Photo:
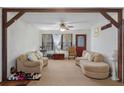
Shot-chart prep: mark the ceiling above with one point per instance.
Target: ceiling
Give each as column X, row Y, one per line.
column 51, row 21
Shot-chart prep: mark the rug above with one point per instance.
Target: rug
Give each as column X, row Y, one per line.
column 66, row 73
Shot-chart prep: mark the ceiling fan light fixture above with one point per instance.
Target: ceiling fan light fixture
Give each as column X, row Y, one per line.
column 62, row 29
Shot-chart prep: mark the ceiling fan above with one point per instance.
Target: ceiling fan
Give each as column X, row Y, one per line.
column 64, row 26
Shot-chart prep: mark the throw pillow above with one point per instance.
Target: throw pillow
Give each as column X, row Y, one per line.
column 38, row 54
column 91, row 57
column 86, row 55
column 32, row 57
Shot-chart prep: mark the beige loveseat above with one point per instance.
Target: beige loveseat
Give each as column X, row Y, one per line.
column 92, row 65
column 25, row 65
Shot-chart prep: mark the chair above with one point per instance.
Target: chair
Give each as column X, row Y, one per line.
column 71, row 53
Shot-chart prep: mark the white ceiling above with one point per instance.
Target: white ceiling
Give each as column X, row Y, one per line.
column 51, row 21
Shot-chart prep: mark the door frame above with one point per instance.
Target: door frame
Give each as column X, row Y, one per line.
column 21, row 11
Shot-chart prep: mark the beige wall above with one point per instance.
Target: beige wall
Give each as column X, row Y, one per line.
column 22, row 37
column 106, row 42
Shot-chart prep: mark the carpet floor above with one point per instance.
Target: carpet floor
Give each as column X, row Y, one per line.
column 66, row 73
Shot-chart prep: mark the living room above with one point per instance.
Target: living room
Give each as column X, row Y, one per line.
column 31, row 32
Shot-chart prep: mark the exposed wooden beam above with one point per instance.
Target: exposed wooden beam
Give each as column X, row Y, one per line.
column 120, row 61
column 108, row 17
column 68, row 10
column 4, row 45
column 123, row 48
column 16, row 17
column 106, row 26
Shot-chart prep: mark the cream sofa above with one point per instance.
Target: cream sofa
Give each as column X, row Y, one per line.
column 25, row 65
column 92, row 65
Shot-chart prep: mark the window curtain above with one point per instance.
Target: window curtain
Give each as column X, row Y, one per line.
column 47, row 41
column 67, row 41
column 57, row 42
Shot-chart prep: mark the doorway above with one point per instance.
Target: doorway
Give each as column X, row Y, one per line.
column 80, row 44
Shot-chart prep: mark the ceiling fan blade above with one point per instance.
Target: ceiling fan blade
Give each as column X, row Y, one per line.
column 67, row 29
column 70, row 26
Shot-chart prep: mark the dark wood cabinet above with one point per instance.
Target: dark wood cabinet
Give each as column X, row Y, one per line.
column 58, row 56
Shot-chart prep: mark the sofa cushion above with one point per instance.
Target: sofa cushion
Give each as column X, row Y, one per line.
column 86, row 60
column 91, row 57
column 80, row 58
column 98, row 58
column 32, row 57
column 38, row 54
column 22, row 58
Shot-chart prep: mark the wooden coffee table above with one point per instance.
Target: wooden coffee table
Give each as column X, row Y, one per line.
column 58, row 56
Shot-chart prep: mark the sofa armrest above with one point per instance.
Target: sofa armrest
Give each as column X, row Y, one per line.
column 31, row 64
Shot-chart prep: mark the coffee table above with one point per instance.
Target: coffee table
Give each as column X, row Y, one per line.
column 58, row 56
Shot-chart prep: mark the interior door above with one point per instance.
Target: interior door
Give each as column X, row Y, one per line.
column 80, row 44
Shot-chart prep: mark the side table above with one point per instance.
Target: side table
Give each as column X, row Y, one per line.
column 114, row 66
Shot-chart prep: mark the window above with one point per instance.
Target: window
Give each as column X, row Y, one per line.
column 47, row 41
column 64, row 44
column 66, row 41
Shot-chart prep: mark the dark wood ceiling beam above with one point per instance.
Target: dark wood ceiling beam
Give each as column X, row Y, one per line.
column 68, row 10
column 16, row 17
column 106, row 26
column 4, row 45
column 108, row 17
column 123, row 47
